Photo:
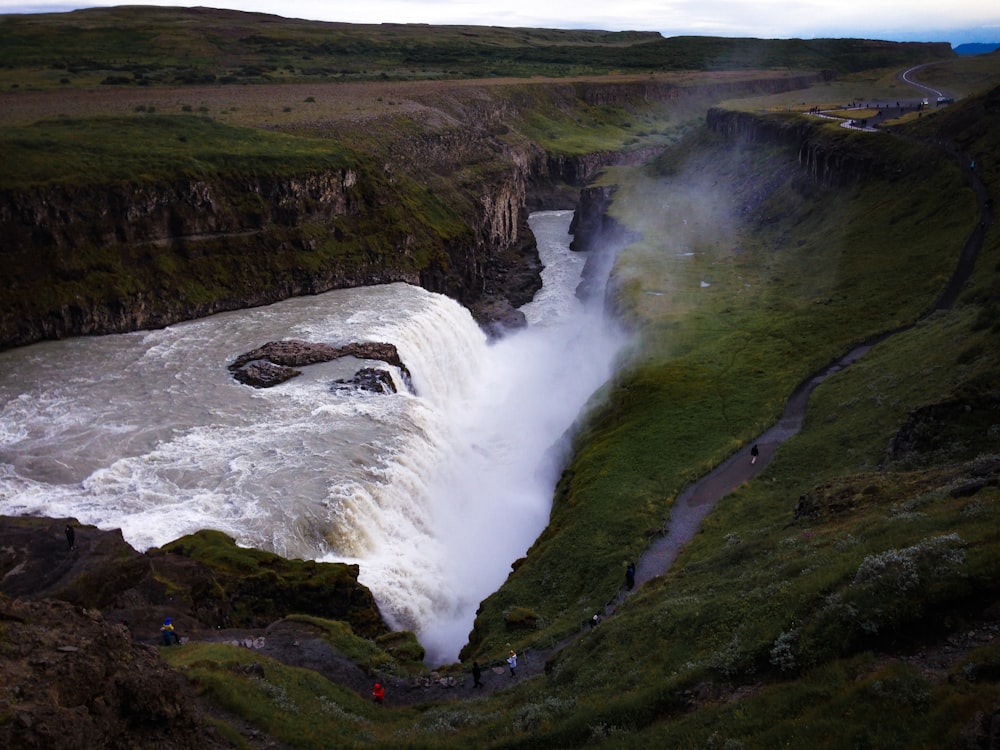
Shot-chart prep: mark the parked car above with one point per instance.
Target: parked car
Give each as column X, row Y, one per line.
column 944, row 100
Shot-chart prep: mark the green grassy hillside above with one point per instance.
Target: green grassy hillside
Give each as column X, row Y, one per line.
column 139, row 46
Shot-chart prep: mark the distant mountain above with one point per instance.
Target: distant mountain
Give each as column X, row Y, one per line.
column 977, row 48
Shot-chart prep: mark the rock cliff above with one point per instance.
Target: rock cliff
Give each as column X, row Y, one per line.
column 825, row 160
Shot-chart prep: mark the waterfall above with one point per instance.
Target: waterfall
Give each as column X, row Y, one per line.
column 432, row 492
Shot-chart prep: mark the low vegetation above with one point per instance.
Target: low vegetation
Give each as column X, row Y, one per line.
column 85, row 151
column 805, row 591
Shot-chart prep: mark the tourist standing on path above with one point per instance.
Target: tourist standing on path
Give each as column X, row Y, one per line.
column 477, row 673
column 630, row 576
column 70, row 537
column 512, row 662
column 378, row 693
column 754, row 452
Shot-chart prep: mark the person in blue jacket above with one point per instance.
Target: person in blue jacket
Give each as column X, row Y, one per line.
column 169, row 634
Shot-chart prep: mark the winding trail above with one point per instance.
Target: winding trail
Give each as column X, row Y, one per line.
column 906, row 78
column 695, row 501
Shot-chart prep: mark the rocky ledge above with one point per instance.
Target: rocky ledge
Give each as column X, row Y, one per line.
column 80, row 615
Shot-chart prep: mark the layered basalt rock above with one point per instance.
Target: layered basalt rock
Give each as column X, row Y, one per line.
column 826, row 163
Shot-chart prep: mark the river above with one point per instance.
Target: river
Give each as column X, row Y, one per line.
column 433, row 493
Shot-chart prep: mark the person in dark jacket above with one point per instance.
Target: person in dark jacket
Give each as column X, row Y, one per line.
column 477, row 673
column 70, row 537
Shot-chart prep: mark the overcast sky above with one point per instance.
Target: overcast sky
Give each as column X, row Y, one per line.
column 954, row 21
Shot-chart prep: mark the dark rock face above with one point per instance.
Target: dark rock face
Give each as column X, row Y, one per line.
column 952, row 429
column 368, row 379
column 71, row 679
column 263, row 374
column 498, row 317
column 275, row 362
column 596, row 233
column 825, row 164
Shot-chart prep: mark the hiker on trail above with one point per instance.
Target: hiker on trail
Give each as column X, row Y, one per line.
column 630, row 576
column 477, row 672
column 378, row 693
column 168, row 633
column 754, row 452
column 512, row 662
column 594, row 620
column 70, row 537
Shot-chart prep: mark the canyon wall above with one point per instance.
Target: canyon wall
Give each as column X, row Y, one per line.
column 827, row 160
column 444, row 206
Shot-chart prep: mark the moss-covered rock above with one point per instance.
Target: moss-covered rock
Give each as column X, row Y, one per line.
column 240, row 587
column 204, row 580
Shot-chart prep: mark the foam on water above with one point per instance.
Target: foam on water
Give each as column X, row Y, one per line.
column 432, row 493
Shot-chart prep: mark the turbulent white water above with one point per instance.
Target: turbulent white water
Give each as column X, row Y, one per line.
column 434, row 494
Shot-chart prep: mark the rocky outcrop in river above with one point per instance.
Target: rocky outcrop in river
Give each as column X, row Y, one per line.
column 276, row 361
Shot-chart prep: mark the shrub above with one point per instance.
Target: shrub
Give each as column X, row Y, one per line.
column 533, row 716
column 889, row 590
column 521, row 618
column 782, row 653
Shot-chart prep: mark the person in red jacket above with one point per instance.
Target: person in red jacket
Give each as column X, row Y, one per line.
column 378, row 693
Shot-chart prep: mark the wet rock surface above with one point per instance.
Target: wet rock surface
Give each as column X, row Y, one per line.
column 369, row 379
column 276, row 361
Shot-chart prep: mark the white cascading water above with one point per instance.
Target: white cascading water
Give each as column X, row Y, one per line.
column 433, row 494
